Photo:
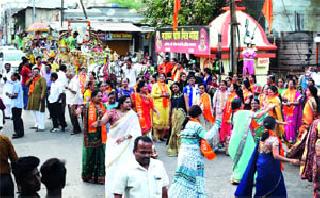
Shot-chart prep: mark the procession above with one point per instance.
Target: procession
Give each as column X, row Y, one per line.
column 95, row 108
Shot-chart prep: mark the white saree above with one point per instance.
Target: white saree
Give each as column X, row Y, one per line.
column 118, row 155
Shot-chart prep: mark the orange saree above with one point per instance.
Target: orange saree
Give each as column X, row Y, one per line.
column 276, row 113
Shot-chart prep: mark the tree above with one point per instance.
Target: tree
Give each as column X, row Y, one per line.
column 158, row 13
column 133, row 4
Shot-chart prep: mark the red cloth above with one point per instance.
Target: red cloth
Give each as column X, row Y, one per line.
column 165, row 68
column 25, row 72
column 143, row 107
column 267, row 11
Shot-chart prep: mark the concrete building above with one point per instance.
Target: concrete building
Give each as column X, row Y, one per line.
column 295, row 25
column 7, row 8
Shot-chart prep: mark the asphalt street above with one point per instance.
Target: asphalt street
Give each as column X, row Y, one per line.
column 62, row 145
column 68, row 147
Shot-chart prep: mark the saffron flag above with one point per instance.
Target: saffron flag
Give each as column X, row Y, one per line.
column 267, row 11
column 176, row 8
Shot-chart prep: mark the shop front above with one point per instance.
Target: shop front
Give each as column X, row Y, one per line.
column 120, row 42
column 118, row 37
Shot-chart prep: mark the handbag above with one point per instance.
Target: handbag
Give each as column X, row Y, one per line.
column 206, row 150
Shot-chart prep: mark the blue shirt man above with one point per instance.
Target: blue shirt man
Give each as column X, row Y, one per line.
column 17, row 104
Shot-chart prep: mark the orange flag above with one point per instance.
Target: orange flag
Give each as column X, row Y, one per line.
column 267, row 11
column 176, row 8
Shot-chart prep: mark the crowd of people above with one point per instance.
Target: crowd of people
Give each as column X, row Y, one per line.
column 120, row 121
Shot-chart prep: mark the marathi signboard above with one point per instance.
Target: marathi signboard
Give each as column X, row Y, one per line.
column 115, row 37
column 189, row 40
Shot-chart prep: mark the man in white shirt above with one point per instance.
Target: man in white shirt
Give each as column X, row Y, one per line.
column 146, row 177
column 41, row 66
column 74, row 99
column 55, row 105
column 316, row 77
column 130, row 72
column 7, row 88
column 63, row 82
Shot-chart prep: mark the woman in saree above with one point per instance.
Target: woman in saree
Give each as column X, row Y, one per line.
column 188, row 180
column 310, row 113
column 205, row 104
column 310, row 110
column 124, row 128
column 253, row 81
column 87, row 92
column 265, row 160
column 83, row 79
column 178, row 114
column 247, row 94
column 309, row 166
column 143, row 105
column 276, row 113
column 256, row 124
column 125, row 89
column 105, row 89
column 280, row 86
column 241, row 143
column 219, row 102
column 161, row 98
column 225, row 130
column 263, row 96
column 207, row 119
column 93, row 152
column 291, row 111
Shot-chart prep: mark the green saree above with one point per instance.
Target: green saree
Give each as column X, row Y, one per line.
column 241, row 143
column 93, row 154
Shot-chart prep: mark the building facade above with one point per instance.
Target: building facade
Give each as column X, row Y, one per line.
column 295, row 25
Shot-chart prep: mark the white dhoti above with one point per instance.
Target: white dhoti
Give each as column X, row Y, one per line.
column 39, row 119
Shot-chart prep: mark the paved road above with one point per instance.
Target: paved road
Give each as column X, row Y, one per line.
column 46, row 145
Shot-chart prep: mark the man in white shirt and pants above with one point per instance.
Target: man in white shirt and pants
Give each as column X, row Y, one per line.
column 74, row 99
column 145, row 178
column 7, row 88
column 130, row 72
column 55, row 105
column 63, row 82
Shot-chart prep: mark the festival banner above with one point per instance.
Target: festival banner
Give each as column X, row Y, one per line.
column 189, row 40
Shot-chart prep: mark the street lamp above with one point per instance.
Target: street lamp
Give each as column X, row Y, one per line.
column 317, row 41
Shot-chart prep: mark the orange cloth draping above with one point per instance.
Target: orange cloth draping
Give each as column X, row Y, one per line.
column 33, row 84
column 205, row 101
column 93, row 117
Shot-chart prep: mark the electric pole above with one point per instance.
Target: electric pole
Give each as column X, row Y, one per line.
column 233, row 37
column 33, row 11
column 84, row 10
column 62, row 13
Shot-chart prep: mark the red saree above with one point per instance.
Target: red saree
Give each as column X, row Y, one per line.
column 225, row 129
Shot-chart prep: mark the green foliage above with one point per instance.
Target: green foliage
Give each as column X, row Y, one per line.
column 133, row 4
column 158, row 13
